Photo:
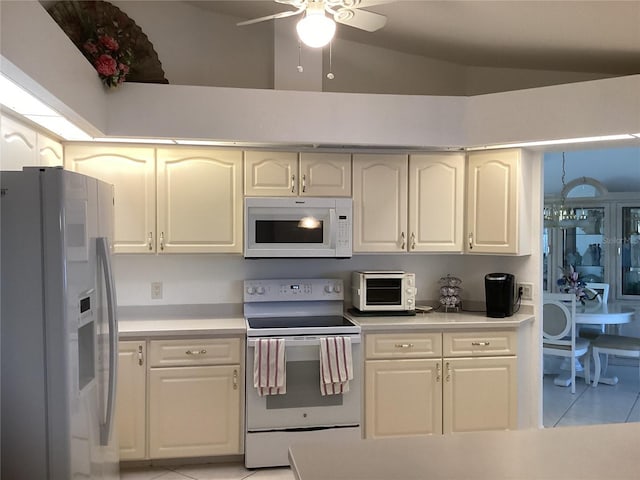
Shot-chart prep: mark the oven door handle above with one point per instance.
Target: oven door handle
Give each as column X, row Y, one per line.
column 303, row 341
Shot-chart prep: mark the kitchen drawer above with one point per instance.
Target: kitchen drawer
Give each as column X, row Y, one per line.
column 210, row 351
column 479, row 344
column 403, row 345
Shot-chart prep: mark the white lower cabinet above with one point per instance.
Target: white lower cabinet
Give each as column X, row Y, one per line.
column 131, row 399
column 193, row 398
column 194, row 411
column 432, row 383
column 403, row 397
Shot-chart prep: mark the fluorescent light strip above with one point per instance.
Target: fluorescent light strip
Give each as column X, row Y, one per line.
column 555, row 142
column 163, row 141
column 22, row 102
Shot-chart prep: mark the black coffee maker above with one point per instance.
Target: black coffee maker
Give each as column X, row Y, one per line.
column 499, row 289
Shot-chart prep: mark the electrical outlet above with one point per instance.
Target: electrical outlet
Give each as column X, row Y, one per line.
column 156, row 290
column 527, row 290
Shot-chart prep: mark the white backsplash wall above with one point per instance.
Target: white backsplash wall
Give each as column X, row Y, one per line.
column 214, row 279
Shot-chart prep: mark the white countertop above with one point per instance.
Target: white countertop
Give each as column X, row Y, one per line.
column 180, row 320
column 595, row 452
column 438, row 321
column 176, row 327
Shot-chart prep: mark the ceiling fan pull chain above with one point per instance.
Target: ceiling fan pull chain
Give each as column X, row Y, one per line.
column 299, row 67
column 330, row 75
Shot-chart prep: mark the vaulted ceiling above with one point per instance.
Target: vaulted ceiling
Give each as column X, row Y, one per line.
column 579, row 35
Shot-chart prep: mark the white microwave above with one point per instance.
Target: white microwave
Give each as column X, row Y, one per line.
column 297, row 227
column 383, row 291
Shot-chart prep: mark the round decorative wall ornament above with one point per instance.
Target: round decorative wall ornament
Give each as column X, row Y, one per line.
column 113, row 43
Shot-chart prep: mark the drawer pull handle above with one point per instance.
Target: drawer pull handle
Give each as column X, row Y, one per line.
column 438, row 372
column 480, row 344
column 448, row 378
column 404, row 345
column 140, row 355
column 196, row 352
column 235, row 379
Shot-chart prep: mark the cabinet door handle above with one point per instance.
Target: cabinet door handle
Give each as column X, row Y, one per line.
column 196, row 352
column 413, row 241
column 140, row 355
column 448, row 378
column 235, row 379
column 150, row 240
column 404, row 345
column 304, row 183
column 438, row 375
column 293, row 184
column 162, row 241
column 480, row 344
column 402, row 240
column 471, row 241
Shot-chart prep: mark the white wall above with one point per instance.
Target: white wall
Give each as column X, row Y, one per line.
column 617, row 168
column 212, row 279
column 198, row 47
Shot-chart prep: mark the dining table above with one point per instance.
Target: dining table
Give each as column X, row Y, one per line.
column 595, row 313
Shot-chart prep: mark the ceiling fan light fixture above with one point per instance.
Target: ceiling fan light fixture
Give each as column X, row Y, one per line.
column 316, row 29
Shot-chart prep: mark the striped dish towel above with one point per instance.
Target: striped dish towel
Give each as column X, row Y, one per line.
column 336, row 365
column 269, row 367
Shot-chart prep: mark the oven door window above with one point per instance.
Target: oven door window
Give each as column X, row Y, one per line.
column 303, row 388
column 384, row 291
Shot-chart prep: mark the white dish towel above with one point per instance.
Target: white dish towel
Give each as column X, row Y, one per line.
column 336, row 365
column 269, row 367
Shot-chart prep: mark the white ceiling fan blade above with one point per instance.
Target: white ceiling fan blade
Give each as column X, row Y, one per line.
column 361, row 19
column 288, row 13
column 367, row 3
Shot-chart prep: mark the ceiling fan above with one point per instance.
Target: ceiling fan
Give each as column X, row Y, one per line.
column 316, row 29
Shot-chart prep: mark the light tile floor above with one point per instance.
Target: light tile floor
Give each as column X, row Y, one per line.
column 223, row 471
column 603, row 404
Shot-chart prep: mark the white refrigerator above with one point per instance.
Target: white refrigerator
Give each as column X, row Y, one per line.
column 58, row 327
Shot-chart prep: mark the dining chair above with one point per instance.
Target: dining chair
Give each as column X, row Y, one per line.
column 559, row 332
column 619, row 345
column 601, row 291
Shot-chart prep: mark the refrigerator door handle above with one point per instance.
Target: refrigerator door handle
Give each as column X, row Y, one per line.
column 104, row 258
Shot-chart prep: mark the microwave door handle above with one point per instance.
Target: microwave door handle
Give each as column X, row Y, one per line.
column 334, row 227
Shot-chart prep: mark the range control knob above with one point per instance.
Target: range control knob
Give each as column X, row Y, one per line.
column 251, row 290
column 328, row 288
column 260, row 290
column 337, row 288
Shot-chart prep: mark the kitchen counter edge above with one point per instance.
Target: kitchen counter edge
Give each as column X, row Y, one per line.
column 438, row 321
column 181, row 327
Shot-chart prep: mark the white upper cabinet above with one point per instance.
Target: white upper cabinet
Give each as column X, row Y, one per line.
column 380, row 203
column 50, row 151
column 22, row 146
column 18, row 145
column 436, row 202
column 496, row 203
column 287, row 174
column 413, row 204
column 325, row 174
column 270, row 173
column 199, row 200
column 132, row 172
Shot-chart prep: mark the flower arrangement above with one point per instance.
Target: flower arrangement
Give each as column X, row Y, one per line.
column 111, row 60
column 570, row 282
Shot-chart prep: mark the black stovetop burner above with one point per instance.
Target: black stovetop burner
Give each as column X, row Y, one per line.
column 299, row 322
